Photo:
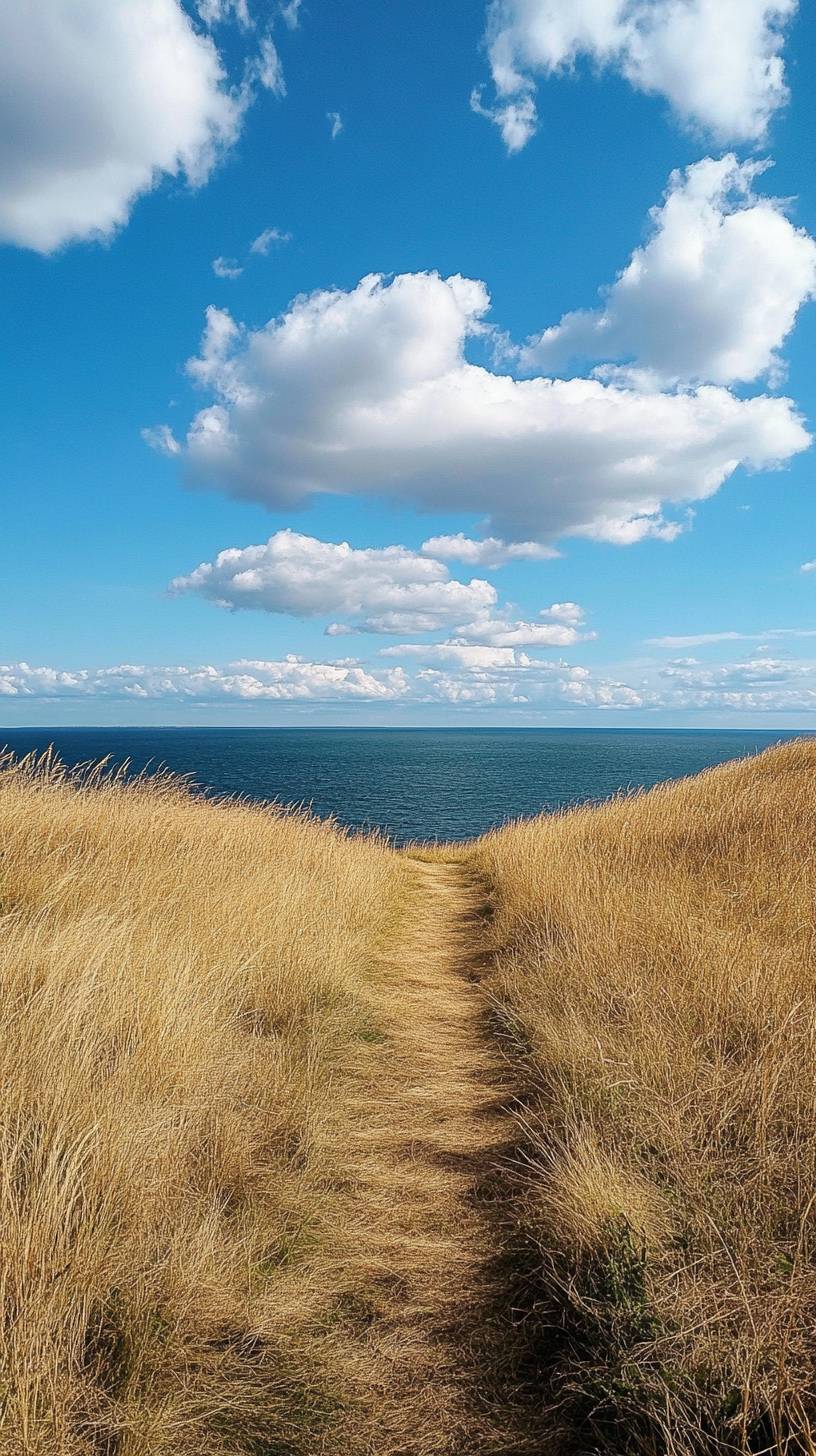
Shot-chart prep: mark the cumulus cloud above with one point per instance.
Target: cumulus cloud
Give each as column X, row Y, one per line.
column 468, row 673
column 390, row 589
column 265, row 240
column 517, row 120
column 370, row 391
column 755, row 685
column 717, row 62
column 489, row 552
column 557, row 627
column 98, row 102
column 710, row 297
column 757, row 671
column 226, row 268
column 293, row 679
column 461, row 654
column 459, row 674
column 808, row 566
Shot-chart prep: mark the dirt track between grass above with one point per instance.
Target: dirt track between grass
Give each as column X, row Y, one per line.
column 435, row 1145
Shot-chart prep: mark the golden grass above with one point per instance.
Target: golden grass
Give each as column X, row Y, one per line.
column 184, row 993
column 654, row 976
column 260, row 1191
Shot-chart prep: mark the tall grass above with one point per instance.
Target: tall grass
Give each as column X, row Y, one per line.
column 185, row 992
column 257, row 1185
column 654, row 978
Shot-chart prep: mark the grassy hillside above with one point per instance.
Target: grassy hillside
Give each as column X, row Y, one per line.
column 186, row 1004
column 304, row 1154
column 655, row 981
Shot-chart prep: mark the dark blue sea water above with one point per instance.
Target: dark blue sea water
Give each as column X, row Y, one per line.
column 444, row 783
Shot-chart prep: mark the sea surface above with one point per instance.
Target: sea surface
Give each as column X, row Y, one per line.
column 445, row 783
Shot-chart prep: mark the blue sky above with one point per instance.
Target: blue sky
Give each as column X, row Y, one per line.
column 561, row 505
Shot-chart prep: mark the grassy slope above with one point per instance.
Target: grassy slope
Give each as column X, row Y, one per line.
column 186, row 1007
column 247, row 1102
column 655, row 974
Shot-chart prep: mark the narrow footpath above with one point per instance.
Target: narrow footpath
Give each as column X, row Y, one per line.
column 434, row 1147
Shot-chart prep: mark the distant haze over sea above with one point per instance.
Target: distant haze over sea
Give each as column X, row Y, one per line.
column 411, row 783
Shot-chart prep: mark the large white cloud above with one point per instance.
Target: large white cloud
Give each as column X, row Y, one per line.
column 101, row 98
column 710, row 297
column 717, row 62
column 370, row 391
column 390, row 589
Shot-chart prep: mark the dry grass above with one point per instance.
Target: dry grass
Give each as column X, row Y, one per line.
column 185, row 992
column 655, row 980
column 245, row 1108
column 259, row 1191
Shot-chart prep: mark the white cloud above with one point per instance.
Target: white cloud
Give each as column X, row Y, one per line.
column 757, row 671
column 808, row 566
column 264, row 67
column 216, row 12
column 756, row 685
column 291, row 680
column 565, row 612
column 390, row 589
column 710, row 297
column 161, row 439
column 336, row 123
column 705, row 639
column 717, row 62
column 517, row 120
column 99, row 101
column 505, row 677
column 290, row 13
column 554, row 630
column 467, row 675
column 370, row 391
column 490, row 552
column 268, row 69
column 226, row 268
column 461, row 654
column 264, row 240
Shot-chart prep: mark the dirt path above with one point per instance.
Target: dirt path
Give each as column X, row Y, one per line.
column 432, row 1144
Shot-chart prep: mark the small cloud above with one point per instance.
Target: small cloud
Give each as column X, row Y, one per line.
column 568, row 612
column 290, row 13
column 335, row 121
column 517, row 120
column 215, row 12
column 264, row 240
column 808, row 566
column 268, row 68
column 161, row 439
column 226, row 268
column 490, row 552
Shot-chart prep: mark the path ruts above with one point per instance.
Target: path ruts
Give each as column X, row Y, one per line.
column 429, row 1169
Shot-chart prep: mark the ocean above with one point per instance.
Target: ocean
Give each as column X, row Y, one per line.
column 440, row 783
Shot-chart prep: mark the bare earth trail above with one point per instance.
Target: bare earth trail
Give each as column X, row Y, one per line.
column 433, row 1143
